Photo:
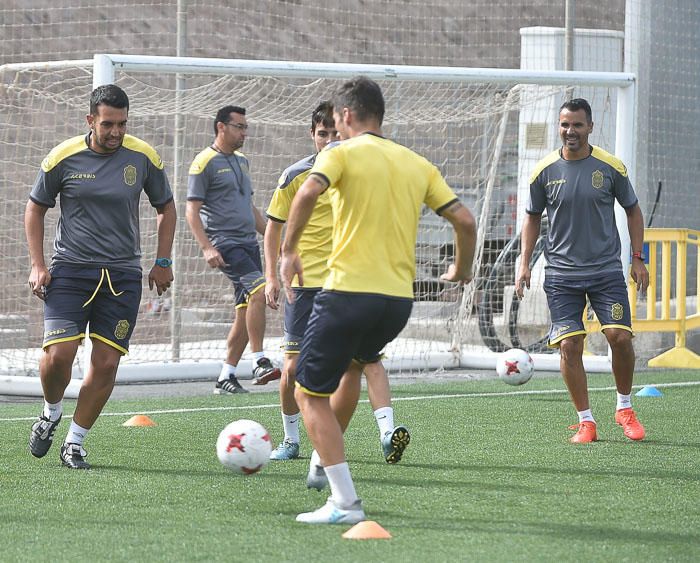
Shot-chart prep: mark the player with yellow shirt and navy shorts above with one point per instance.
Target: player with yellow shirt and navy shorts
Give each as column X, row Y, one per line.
column 95, row 273
column 377, row 189
column 314, row 249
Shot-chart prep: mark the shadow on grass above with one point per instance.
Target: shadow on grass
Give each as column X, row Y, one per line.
column 579, row 531
column 646, row 472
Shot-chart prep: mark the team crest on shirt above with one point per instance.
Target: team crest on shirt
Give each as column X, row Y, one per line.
column 130, row 175
column 122, row 329
column 597, row 179
column 617, row 311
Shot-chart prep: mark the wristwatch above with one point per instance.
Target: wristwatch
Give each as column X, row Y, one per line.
column 164, row 262
column 639, row 255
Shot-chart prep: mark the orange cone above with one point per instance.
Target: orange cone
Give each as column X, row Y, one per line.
column 367, row 530
column 139, row 420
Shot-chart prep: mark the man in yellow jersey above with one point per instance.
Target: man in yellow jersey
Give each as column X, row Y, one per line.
column 377, row 189
column 314, row 249
column 95, row 273
column 578, row 186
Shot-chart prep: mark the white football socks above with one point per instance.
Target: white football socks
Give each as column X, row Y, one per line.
column 624, row 401
column 385, row 420
column 342, row 487
column 291, row 426
column 76, row 433
column 586, row 416
column 227, row 370
column 53, row 411
column 315, row 459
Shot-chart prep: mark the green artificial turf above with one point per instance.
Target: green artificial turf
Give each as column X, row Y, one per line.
column 488, row 476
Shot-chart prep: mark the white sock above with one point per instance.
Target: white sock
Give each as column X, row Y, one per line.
column 315, row 459
column 624, row 401
column 586, row 416
column 291, row 426
column 342, row 487
column 257, row 356
column 226, row 371
column 76, row 433
column 53, row 411
column 385, row 420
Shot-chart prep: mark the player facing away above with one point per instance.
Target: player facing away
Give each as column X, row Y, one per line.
column 377, row 188
column 224, row 221
column 95, row 273
column 578, row 185
column 314, row 249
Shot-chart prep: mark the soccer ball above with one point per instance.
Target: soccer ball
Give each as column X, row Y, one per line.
column 244, row 446
column 515, row 366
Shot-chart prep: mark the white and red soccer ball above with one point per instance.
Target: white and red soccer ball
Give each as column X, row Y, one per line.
column 244, row 446
column 515, row 366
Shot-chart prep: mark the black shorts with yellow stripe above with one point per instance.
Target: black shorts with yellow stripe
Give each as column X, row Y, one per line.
column 344, row 327
column 296, row 317
column 107, row 299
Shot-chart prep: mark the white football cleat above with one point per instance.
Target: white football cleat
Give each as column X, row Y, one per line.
column 330, row 513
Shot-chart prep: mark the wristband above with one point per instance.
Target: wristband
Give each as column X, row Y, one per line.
column 639, row 255
column 164, row 262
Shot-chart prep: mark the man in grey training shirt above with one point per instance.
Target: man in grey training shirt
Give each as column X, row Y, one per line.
column 223, row 220
column 578, row 185
column 95, row 273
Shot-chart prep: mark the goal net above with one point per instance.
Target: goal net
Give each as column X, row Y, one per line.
column 483, row 129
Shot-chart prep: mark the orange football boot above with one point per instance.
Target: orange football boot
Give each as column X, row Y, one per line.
column 586, row 432
column 631, row 427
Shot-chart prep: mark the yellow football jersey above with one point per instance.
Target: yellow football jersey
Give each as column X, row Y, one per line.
column 377, row 188
column 315, row 243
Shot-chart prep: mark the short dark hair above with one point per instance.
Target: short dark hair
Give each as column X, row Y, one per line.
column 109, row 95
column 576, row 104
column 224, row 115
column 361, row 95
column 323, row 114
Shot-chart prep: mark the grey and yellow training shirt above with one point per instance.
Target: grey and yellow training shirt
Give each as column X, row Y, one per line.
column 99, row 200
column 579, row 196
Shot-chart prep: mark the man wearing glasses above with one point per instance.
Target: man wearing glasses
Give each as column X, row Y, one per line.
column 224, row 221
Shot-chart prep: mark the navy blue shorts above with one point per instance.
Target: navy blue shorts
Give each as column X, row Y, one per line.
column 107, row 299
column 343, row 327
column 296, row 317
column 244, row 269
column 567, row 300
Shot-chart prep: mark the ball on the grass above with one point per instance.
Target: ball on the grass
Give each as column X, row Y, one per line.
column 244, row 446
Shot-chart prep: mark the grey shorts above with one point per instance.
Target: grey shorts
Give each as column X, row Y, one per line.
column 244, row 269
column 566, row 298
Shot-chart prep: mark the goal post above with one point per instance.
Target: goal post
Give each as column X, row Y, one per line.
column 465, row 120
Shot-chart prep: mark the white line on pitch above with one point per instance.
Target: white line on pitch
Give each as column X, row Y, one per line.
column 394, row 399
